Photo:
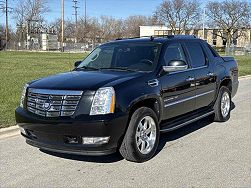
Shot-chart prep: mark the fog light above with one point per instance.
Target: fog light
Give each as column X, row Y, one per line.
column 95, row 140
column 22, row 130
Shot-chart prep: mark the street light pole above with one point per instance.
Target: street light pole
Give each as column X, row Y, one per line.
column 204, row 15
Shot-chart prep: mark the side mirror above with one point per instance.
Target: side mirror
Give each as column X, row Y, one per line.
column 77, row 63
column 175, row 65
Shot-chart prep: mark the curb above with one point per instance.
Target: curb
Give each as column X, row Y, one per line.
column 245, row 77
column 9, row 130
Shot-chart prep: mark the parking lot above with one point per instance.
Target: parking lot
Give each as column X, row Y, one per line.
column 202, row 154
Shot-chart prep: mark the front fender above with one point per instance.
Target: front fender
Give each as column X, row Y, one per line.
column 148, row 97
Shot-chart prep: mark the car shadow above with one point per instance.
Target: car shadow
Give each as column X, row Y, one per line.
column 186, row 130
column 183, row 131
column 164, row 138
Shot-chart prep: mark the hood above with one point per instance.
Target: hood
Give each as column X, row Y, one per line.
column 83, row 80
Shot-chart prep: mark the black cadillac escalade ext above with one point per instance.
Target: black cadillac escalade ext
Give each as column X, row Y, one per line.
column 125, row 93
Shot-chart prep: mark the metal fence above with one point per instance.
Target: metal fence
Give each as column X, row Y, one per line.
column 87, row 47
column 68, row 47
column 233, row 50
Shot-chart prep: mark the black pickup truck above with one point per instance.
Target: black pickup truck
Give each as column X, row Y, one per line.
column 125, row 93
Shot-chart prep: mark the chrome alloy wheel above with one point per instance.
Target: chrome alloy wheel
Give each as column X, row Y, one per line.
column 146, row 135
column 225, row 104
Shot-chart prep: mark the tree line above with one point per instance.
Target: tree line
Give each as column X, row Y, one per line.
column 229, row 16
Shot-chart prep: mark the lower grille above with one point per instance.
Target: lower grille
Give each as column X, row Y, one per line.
column 52, row 103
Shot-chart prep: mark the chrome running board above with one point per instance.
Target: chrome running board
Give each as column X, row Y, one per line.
column 186, row 123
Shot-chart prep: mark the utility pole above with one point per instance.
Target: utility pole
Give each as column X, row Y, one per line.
column 62, row 25
column 7, row 25
column 76, row 17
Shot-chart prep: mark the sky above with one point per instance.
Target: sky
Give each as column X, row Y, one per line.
column 96, row 8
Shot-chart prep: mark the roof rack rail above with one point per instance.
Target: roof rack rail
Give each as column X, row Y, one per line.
column 151, row 37
column 132, row 37
column 177, row 36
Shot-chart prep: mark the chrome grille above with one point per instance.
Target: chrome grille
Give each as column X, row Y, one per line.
column 52, row 103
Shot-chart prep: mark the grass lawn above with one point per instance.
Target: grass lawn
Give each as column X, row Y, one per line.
column 244, row 63
column 17, row 68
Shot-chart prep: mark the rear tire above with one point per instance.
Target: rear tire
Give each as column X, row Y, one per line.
column 142, row 136
column 222, row 106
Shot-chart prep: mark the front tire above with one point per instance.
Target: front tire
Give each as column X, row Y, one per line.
column 142, row 136
column 222, row 106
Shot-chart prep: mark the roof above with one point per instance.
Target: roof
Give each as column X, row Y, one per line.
column 158, row 39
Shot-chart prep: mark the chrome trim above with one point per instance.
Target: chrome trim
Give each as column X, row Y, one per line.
column 169, row 99
column 189, row 98
column 210, row 74
column 189, row 69
column 199, row 95
column 190, row 79
column 153, row 83
column 186, row 123
column 52, row 103
column 175, row 68
column 55, row 92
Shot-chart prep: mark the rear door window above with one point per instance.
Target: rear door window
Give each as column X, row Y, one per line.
column 214, row 53
column 196, row 54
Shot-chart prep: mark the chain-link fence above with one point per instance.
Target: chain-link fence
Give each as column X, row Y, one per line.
column 39, row 45
column 34, row 46
column 233, row 50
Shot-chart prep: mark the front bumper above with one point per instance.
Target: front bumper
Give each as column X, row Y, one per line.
column 52, row 134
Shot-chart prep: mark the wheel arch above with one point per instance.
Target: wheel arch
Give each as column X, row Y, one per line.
column 153, row 102
column 226, row 82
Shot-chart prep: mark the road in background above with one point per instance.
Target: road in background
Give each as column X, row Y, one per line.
column 200, row 154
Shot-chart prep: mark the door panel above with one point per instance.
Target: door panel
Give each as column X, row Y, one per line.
column 205, row 86
column 205, row 79
column 178, row 93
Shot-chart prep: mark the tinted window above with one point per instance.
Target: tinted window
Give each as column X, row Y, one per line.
column 134, row 56
column 174, row 52
column 196, row 54
column 214, row 53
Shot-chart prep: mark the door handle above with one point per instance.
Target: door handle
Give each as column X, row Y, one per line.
column 210, row 74
column 190, row 79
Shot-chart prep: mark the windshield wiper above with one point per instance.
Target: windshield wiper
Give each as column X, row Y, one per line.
column 86, row 68
column 118, row 68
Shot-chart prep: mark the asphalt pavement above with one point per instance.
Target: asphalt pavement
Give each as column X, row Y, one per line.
column 202, row 154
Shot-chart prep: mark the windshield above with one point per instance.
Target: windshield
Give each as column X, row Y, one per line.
column 122, row 56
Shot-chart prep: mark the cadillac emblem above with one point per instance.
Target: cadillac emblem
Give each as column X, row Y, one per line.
column 47, row 105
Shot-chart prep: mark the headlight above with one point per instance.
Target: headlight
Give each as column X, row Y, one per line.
column 103, row 101
column 23, row 95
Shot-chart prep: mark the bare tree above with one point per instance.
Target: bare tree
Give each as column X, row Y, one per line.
column 231, row 17
column 111, row 28
column 26, row 11
column 179, row 15
column 132, row 24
